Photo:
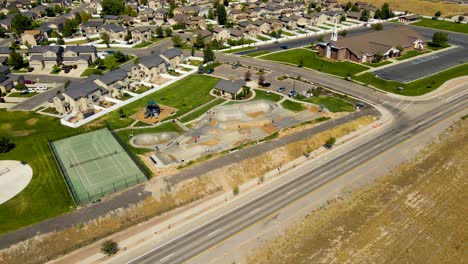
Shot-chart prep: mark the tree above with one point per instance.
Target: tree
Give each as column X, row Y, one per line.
column 320, row 39
column 348, row 6
column 168, row 31
column 330, row 142
column 170, row 12
column 2, row 32
column 109, row 247
column 78, row 18
column 318, row 8
column 20, row 86
column 460, row 19
column 143, row 2
column 58, row 9
column 248, row 76
column 377, row 14
column 208, row 54
column 226, row 2
column 85, row 16
column 105, row 37
column 20, row 23
column 210, row 27
column 386, row 12
column 100, row 64
column 354, row 8
column 6, row 145
column 261, row 80
column 342, row 18
column 120, row 57
column 343, row 33
column 112, row 7
column 60, row 41
column 438, row 14
column 177, row 41
column 49, row 12
column 128, row 36
column 364, row 16
column 222, row 15
column 69, row 28
column 211, row 14
column 15, row 60
column 199, row 42
column 159, row 32
column 377, row 26
column 192, row 51
column 439, row 39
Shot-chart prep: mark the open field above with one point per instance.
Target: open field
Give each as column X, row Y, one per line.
column 416, row 214
column 201, row 111
column 444, row 25
column 47, row 194
column 331, row 103
column 418, row 87
column 183, row 95
column 423, row 7
column 312, row 61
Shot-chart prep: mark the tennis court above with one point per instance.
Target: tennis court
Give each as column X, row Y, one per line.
column 95, row 164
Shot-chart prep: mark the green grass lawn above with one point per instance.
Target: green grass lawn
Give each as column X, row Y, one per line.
column 18, row 94
column 125, row 96
column 47, row 194
column 258, row 53
column 312, row 61
column 411, row 53
column 183, row 95
column 331, row 103
column 262, row 38
column 263, row 95
column 142, row 89
column 143, row 44
column 195, row 62
column 322, row 27
column 444, row 25
column 89, row 72
column 201, row 111
column 418, row 87
column 293, row 106
column 288, row 34
column 239, row 49
column 378, row 64
column 166, row 127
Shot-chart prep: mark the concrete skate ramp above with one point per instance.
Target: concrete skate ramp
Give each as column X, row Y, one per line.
column 259, row 106
column 150, row 139
column 232, row 114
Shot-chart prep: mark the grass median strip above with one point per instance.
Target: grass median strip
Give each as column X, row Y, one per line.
column 333, row 104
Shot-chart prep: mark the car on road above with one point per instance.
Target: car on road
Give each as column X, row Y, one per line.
column 284, row 46
column 235, row 65
column 42, row 87
column 360, row 105
column 29, row 82
column 267, row 84
column 281, row 89
column 293, row 93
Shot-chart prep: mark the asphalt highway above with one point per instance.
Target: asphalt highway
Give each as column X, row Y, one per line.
column 198, row 240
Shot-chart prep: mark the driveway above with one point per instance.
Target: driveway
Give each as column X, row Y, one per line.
column 37, row 100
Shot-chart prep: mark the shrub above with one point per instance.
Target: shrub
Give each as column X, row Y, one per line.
column 235, row 190
column 109, row 247
column 6, row 145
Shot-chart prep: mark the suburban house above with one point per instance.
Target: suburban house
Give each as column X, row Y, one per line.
column 45, row 57
column 262, row 25
column 228, row 88
column 92, row 27
column 173, row 57
column 115, row 32
column 141, row 34
column 221, row 34
column 315, row 18
column 369, row 46
column 116, row 82
column 149, row 69
column 409, row 18
column 76, row 51
column 32, row 37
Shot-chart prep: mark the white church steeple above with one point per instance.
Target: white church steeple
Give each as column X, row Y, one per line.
column 334, row 35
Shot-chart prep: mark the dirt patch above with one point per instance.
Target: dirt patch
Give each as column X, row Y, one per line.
column 254, row 114
column 269, row 129
column 413, row 215
column 213, row 122
column 313, row 109
column 211, row 142
column 32, row 121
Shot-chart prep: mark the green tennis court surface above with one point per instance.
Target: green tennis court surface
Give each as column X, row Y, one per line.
column 95, row 164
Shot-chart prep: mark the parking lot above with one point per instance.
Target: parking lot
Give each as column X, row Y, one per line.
column 431, row 64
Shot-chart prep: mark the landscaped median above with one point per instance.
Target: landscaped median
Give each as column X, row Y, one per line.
column 418, row 87
column 311, row 60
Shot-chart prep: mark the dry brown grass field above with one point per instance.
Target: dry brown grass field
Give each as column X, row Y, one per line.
column 416, row 214
column 422, row 7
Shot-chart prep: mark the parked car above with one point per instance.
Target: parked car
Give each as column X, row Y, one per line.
column 360, row 105
column 28, row 90
column 267, row 84
column 235, row 65
column 29, row 82
column 293, row 93
column 284, row 46
column 209, row 71
column 281, row 89
column 42, row 87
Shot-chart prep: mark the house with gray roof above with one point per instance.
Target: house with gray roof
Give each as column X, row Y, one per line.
column 115, row 32
column 116, row 82
column 149, row 68
column 93, row 26
column 79, row 97
column 76, row 51
column 173, row 57
column 229, row 88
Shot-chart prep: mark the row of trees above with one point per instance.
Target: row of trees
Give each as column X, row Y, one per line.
column 117, row 7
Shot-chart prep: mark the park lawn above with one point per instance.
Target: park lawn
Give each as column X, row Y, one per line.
column 418, row 87
column 444, row 25
column 378, row 64
column 293, row 106
column 18, row 94
column 47, row 194
column 195, row 114
column 258, row 53
column 312, row 61
column 411, row 53
column 270, row 96
column 166, row 127
column 333, row 104
column 238, row 50
column 91, row 71
column 262, row 38
column 183, row 95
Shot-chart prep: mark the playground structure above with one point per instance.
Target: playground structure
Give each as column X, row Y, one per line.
column 152, row 110
column 225, row 127
column 153, row 113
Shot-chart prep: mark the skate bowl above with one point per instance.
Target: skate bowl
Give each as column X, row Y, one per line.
column 151, row 139
column 14, row 177
column 241, row 111
column 259, row 106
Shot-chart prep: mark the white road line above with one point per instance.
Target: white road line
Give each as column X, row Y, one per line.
column 214, row 232
column 397, row 105
column 455, row 96
column 293, row 190
column 404, row 108
column 254, row 211
column 166, row 257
